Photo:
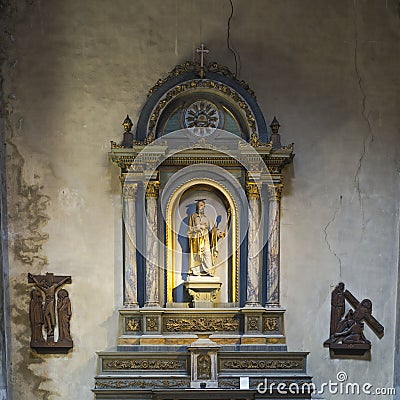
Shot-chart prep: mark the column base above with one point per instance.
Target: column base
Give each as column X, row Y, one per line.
column 131, row 304
column 272, row 305
column 152, row 304
column 252, row 304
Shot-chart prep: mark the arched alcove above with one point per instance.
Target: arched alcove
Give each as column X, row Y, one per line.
column 226, row 200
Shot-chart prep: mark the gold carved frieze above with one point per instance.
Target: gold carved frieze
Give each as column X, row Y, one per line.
column 201, row 324
column 142, row 383
column 143, row 363
column 262, row 364
column 133, row 324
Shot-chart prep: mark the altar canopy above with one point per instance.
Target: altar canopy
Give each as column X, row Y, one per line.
column 201, row 188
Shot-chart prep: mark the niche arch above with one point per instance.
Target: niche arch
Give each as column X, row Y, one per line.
column 219, row 184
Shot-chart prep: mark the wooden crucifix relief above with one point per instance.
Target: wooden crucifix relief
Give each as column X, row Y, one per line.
column 347, row 329
column 44, row 319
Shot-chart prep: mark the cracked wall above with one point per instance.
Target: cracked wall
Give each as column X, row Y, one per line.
column 328, row 71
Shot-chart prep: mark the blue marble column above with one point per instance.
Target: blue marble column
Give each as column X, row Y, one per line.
column 152, row 246
column 129, row 214
column 273, row 267
column 254, row 256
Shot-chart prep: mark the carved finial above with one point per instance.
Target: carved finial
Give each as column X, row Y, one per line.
column 128, row 136
column 127, row 124
column 275, row 136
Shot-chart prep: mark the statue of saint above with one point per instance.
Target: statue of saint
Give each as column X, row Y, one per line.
column 36, row 316
column 203, row 239
column 337, row 306
column 64, row 315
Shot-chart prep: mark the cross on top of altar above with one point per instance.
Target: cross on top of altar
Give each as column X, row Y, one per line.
column 202, row 50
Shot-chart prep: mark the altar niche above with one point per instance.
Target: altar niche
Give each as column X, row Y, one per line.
column 202, row 265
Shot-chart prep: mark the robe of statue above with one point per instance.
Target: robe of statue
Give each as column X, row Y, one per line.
column 64, row 315
column 36, row 316
column 203, row 245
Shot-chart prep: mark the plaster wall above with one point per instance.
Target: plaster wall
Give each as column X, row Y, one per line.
column 328, row 71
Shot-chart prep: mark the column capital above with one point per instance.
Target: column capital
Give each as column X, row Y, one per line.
column 275, row 191
column 152, row 189
column 252, row 190
column 129, row 191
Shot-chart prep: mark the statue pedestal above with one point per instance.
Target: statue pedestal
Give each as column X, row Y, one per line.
column 203, row 289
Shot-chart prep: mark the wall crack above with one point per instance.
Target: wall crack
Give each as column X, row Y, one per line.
column 327, row 241
column 369, row 137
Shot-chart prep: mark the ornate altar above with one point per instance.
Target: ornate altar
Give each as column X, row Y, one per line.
column 201, row 188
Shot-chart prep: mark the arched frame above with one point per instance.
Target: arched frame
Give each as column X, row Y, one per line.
column 171, row 232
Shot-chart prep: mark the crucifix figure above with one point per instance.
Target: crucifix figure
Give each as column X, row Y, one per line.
column 202, row 50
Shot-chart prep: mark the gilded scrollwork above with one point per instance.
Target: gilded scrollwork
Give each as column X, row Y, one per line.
column 152, row 189
column 133, row 324
column 261, row 364
column 252, row 190
column 271, row 324
column 141, row 383
column 190, row 66
column 206, row 84
column 129, row 191
column 151, row 324
column 201, row 324
column 203, row 366
column 252, row 324
column 144, row 364
column 275, row 192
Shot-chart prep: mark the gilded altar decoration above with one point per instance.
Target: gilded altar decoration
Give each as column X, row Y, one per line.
column 347, row 330
column 189, row 66
column 129, row 191
column 148, row 383
column 262, row 364
column 46, row 313
column 133, row 324
column 151, row 324
column 275, row 192
column 144, row 364
column 271, row 324
column 252, row 190
column 203, row 366
column 152, row 189
column 201, row 324
column 203, row 84
column 252, row 323
column 202, row 117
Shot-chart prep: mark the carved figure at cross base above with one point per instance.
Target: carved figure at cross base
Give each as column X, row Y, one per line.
column 347, row 331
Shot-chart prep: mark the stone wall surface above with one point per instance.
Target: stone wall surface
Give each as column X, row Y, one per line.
column 329, row 71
